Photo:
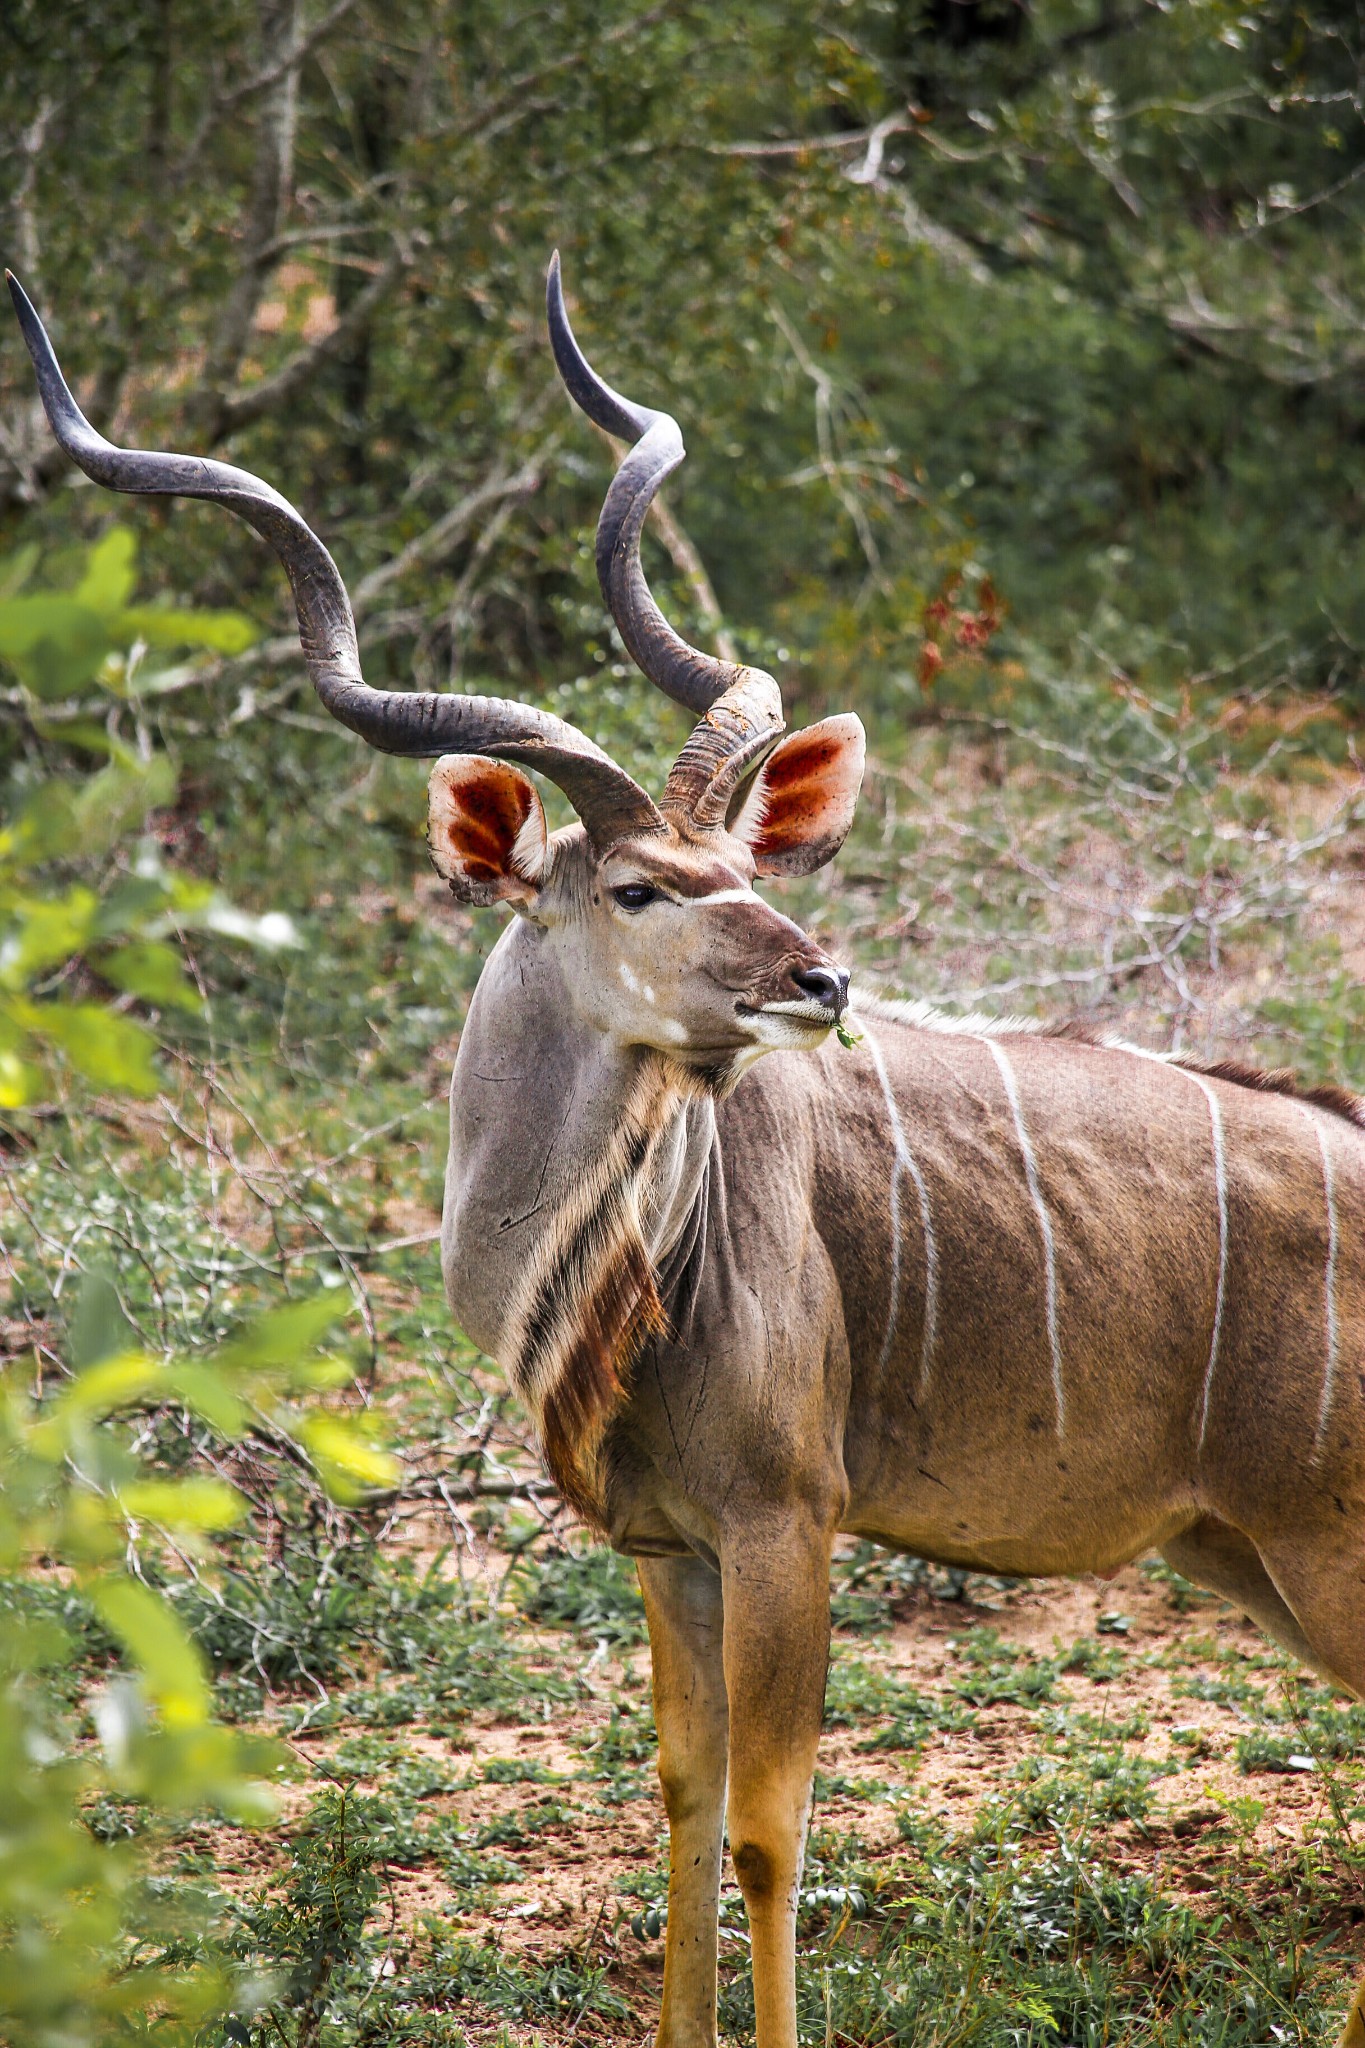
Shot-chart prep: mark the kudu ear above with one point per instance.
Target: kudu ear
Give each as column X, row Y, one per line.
column 795, row 813
column 486, row 826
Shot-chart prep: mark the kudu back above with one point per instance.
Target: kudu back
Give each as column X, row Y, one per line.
column 1010, row 1299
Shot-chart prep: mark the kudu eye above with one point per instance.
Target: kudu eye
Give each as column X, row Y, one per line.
column 635, row 895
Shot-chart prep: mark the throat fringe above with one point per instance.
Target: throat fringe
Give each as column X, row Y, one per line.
column 590, row 1301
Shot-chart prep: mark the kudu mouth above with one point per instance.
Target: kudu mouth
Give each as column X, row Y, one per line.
column 821, row 1004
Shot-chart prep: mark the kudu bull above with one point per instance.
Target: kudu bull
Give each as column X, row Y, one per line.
column 1014, row 1300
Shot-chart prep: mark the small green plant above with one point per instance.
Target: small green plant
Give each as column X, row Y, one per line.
column 312, row 1929
column 594, row 1591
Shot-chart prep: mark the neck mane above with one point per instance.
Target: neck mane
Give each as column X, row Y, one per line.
column 574, row 1167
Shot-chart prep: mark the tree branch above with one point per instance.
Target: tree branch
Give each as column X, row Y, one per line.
column 234, row 410
column 271, row 177
column 260, row 81
column 445, row 532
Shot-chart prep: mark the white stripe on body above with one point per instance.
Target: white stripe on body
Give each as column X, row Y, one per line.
column 1035, row 1189
column 904, row 1161
column 1330, row 1283
column 1220, row 1174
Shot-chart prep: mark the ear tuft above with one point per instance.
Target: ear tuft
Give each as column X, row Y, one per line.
column 486, row 827
column 795, row 813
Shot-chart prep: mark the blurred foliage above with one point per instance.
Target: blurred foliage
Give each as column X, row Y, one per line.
column 91, row 1948
column 61, row 940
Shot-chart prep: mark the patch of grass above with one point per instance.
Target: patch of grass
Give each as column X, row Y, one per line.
column 998, row 1673
column 595, row 1592
column 1104, row 1785
column 456, row 1974
column 1005, row 1946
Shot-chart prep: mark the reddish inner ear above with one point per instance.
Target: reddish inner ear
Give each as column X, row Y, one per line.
column 796, row 792
column 486, row 817
column 487, row 829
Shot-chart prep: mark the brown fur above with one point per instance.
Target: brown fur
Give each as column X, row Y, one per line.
column 1281, row 1081
column 1342, row 1102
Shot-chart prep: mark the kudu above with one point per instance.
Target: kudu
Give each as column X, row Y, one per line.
column 1020, row 1301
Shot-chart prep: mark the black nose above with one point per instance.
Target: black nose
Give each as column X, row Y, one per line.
column 826, row 985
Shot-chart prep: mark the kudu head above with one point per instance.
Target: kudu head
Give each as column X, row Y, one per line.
column 650, row 909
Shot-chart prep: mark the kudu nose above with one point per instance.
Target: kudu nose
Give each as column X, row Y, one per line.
column 825, row 985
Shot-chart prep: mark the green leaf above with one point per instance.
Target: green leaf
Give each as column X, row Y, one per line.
column 112, row 1052
column 110, row 572
column 19, row 1081
column 153, row 1638
column 54, row 644
column 343, row 1455
column 151, row 970
column 168, row 626
column 193, row 1503
column 123, row 1381
column 134, row 904
column 115, row 802
column 283, row 1336
column 99, row 1328
column 200, row 1389
column 16, row 569
column 42, row 826
column 47, row 931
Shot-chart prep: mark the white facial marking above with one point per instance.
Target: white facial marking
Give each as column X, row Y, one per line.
column 629, row 977
column 748, row 1056
column 1333, row 1333
column 724, row 896
column 1220, row 1176
column 648, row 995
column 904, row 1161
column 800, row 1006
column 1035, row 1189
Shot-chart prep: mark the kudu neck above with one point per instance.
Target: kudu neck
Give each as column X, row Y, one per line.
column 537, row 1103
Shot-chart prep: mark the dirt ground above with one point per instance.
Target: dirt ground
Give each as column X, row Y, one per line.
column 581, row 1876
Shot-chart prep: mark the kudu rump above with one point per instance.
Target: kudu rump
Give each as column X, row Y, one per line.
column 1014, row 1300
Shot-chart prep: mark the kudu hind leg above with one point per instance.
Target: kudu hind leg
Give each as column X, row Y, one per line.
column 683, row 1608
column 1216, row 1555
column 776, row 1655
column 1321, row 1580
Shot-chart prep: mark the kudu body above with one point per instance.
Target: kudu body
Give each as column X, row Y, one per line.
column 1025, row 1302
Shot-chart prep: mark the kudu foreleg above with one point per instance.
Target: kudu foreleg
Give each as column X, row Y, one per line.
column 683, row 1608
column 776, row 1654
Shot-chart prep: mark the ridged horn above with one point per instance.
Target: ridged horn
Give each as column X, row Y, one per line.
column 736, row 705
column 418, row 723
